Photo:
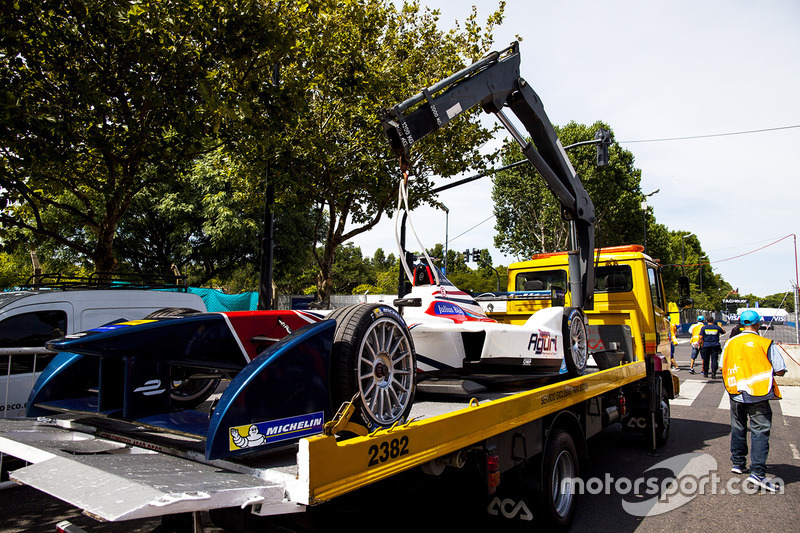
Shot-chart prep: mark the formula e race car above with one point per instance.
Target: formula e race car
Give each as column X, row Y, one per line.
column 290, row 371
column 452, row 334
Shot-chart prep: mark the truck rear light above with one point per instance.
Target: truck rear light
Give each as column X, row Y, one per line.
column 623, row 410
column 492, row 472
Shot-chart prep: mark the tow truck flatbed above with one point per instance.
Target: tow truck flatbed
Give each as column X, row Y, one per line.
column 114, row 471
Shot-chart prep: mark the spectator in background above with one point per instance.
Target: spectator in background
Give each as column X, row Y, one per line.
column 673, row 341
column 695, row 332
column 711, row 343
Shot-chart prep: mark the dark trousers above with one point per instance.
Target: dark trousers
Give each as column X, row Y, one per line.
column 759, row 415
column 710, row 358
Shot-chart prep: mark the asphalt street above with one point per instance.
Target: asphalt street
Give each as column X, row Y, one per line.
column 706, row 496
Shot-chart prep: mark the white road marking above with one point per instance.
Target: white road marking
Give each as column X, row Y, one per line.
column 725, row 402
column 689, row 391
column 795, row 451
column 790, row 404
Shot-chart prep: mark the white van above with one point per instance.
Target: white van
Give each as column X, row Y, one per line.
column 29, row 318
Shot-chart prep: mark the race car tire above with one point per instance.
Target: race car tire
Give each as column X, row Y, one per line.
column 576, row 345
column 187, row 392
column 373, row 360
column 168, row 312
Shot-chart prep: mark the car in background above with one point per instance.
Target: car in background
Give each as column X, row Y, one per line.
column 47, row 310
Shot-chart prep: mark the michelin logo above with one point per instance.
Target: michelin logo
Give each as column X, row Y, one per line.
column 262, row 433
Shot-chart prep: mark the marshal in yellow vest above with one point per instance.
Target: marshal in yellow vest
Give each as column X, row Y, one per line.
column 746, row 367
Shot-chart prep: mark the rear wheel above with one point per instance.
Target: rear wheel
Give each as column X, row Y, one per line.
column 190, row 387
column 171, row 312
column 190, row 391
column 663, row 419
column 560, row 468
column 373, row 359
column 576, row 345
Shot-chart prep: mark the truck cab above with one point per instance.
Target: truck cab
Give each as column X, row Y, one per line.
column 628, row 290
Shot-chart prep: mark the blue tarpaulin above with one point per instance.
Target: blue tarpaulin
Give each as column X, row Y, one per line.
column 217, row 301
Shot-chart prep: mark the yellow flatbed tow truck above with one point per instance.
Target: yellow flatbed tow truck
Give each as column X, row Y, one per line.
column 103, row 434
column 117, row 473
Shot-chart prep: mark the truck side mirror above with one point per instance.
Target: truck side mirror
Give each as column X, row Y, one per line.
column 685, row 303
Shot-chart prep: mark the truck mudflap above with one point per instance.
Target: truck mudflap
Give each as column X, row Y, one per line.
column 122, row 372
column 110, row 482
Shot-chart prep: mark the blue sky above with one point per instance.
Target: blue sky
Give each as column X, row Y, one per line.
column 663, row 70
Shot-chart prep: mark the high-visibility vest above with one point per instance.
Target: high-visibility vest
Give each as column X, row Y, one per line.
column 673, row 333
column 695, row 331
column 746, row 367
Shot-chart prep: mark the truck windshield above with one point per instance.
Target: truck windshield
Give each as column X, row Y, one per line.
column 541, row 280
column 614, row 278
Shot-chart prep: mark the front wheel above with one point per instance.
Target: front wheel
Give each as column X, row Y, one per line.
column 576, row 345
column 373, row 359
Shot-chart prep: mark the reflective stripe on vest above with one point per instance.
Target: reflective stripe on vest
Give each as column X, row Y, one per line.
column 695, row 331
column 746, row 367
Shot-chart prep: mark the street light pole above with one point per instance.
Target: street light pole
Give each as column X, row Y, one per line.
column 683, row 255
column 701, row 272
column 644, row 218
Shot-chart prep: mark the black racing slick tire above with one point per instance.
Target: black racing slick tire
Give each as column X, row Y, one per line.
column 186, row 391
column 373, row 360
column 576, row 343
column 559, row 468
column 171, row 312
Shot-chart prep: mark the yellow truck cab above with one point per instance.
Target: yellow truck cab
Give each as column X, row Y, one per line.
column 628, row 290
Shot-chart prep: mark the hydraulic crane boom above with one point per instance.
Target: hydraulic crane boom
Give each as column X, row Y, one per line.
column 494, row 82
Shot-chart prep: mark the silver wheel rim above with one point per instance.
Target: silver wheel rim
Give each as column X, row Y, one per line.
column 577, row 342
column 563, row 470
column 385, row 371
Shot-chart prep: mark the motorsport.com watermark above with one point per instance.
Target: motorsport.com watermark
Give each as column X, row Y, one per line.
column 694, row 474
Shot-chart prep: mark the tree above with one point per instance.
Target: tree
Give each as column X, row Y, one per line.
column 528, row 216
column 370, row 57
column 103, row 99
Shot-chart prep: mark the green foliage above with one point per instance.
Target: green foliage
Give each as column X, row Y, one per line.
column 369, row 56
column 528, row 216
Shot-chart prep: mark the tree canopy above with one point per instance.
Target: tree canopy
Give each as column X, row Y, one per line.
column 108, row 107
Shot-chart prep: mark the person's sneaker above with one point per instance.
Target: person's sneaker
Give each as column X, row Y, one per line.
column 762, row 482
column 691, row 370
column 740, row 470
column 705, row 374
column 713, row 375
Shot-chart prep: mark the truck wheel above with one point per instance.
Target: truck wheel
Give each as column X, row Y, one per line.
column 560, row 465
column 662, row 419
column 576, row 347
column 373, row 358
